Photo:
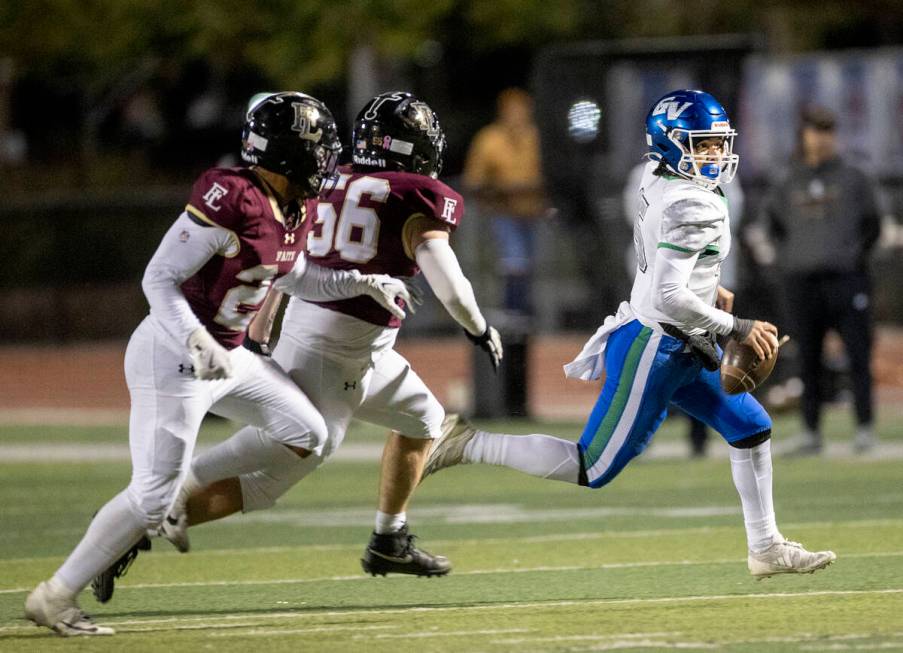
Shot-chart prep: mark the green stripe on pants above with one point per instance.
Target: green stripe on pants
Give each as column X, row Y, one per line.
column 619, row 401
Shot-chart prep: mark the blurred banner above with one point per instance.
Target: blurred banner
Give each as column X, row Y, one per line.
column 864, row 88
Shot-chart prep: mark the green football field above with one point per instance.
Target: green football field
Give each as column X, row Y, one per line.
column 654, row 562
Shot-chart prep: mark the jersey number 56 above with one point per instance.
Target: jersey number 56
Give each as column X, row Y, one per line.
column 354, row 234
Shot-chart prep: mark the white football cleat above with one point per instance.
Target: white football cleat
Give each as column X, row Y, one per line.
column 787, row 557
column 175, row 528
column 448, row 449
column 58, row 611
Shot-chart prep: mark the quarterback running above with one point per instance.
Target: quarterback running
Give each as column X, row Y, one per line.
column 386, row 214
column 659, row 348
column 240, row 231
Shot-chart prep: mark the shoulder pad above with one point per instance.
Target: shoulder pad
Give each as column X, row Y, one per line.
column 219, row 198
column 692, row 221
column 428, row 196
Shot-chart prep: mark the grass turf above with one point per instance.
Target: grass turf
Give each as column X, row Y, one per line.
column 656, row 561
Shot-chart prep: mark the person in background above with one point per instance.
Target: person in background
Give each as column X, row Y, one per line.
column 824, row 220
column 503, row 173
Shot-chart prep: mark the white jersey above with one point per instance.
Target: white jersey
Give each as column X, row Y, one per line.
column 676, row 214
column 682, row 235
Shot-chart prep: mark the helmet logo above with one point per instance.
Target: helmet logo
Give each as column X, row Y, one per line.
column 671, row 107
column 379, row 101
column 305, row 119
column 422, row 118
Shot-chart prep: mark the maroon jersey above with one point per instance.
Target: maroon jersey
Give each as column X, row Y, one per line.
column 359, row 226
column 228, row 290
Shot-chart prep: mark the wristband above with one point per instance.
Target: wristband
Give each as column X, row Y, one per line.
column 741, row 329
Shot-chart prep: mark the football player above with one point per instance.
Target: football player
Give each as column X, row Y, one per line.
column 386, row 214
column 241, row 229
column 659, row 347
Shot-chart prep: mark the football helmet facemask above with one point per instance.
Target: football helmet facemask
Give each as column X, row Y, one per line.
column 294, row 135
column 675, row 127
column 396, row 131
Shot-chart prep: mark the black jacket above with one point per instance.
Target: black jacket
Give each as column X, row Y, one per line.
column 823, row 219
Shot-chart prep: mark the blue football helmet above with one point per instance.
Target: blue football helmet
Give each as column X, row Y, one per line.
column 676, row 125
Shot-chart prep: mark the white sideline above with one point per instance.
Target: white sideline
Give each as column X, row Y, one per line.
column 472, row 572
column 50, row 452
column 557, row 537
column 531, row 605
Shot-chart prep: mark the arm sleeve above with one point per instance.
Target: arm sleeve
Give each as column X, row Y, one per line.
column 440, row 266
column 673, row 298
column 185, row 248
column 315, row 283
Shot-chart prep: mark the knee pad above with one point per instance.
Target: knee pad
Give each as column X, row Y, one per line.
column 149, row 504
column 752, row 440
column 310, row 434
column 261, row 489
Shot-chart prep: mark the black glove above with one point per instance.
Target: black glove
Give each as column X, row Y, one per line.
column 491, row 343
column 705, row 349
column 703, row 346
column 259, row 348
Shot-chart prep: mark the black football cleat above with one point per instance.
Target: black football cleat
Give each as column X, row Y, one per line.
column 395, row 553
column 103, row 585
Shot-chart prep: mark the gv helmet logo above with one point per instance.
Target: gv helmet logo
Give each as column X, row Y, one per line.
column 669, row 106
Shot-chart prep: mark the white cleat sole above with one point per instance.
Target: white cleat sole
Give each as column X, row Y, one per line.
column 826, row 561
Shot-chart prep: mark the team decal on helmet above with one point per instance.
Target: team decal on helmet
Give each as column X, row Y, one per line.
column 295, row 135
column 675, row 127
column 396, row 131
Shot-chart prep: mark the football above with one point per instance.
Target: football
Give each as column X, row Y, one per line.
column 742, row 370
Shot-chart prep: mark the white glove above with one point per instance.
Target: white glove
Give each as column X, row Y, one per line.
column 386, row 290
column 209, row 358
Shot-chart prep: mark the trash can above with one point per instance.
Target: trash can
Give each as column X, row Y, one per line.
column 505, row 394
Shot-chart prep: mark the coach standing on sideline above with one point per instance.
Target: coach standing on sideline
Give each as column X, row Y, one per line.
column 824, row 219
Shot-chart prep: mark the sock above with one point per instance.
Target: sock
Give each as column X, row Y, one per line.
column 386, row 523
column 538, row 455
column 114, row 529
column 246, row 451
column 751, row 469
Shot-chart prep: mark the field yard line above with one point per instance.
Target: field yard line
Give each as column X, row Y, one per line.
column 93, row 452
column 802, row 638
column 558, row 537
column 294, row 631
column 449, row 633
column 531, row 605
column 614, row 644
column 472, row 572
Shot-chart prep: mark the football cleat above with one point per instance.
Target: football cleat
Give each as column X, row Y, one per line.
column 175, row 528
column 395, row 553
column 46, row 606
column 787, row 557
column 103, row 585
column 448, row 449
